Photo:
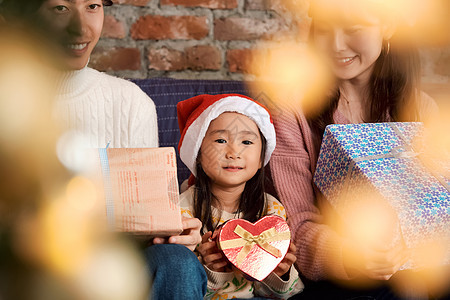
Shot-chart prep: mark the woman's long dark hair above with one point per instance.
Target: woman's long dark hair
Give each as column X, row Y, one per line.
column 394, row 88
column 252, row 203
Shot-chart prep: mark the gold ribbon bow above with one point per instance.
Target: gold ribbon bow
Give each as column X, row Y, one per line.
column 248, row 240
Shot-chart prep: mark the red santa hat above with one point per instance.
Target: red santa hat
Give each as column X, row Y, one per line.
column 196, row 113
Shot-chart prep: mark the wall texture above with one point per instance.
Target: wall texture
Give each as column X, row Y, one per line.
column 212, row 39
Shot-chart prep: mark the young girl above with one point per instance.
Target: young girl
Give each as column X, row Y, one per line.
column 226, row 140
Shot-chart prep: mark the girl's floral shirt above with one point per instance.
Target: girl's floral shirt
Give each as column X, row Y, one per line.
column 228, row 285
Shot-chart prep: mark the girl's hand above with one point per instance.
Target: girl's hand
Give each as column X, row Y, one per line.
column 285, row 265
column 378, row 263
column 190, row 237
column 211, row 255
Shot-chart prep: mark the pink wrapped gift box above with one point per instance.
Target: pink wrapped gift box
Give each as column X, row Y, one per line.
column 141, row 190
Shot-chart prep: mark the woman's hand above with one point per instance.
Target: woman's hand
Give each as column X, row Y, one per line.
column 285, row 265
column 378, row 263
column 211, row 255
column 190, row 237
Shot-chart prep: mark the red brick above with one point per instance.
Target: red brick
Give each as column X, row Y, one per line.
column 213, row 4
column 442, row 64
column 203, row 57
column 239, row 60
column 297, row 10
column 165, row 59
column 115, row 59
column 439, row 92
column 256, row 4
column 226, row 29
column 303, row 29
column 132, row 2
column 263, row 4
column 298, row 7
column 173, row 27
column 113, row 28
column 431, row 26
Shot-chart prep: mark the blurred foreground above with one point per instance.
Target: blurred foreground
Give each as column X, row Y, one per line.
column 53, row 241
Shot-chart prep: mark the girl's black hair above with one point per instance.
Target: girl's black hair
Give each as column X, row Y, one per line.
column 394, row 88
column 252, row 203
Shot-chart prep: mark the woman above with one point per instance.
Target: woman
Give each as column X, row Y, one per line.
column 377, row 80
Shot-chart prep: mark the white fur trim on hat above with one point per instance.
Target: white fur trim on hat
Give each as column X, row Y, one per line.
column 197, row 130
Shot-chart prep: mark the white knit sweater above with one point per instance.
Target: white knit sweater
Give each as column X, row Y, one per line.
column 103, row 109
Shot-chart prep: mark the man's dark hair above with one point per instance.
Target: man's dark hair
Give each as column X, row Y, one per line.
column 19, row 8
column 25, row 8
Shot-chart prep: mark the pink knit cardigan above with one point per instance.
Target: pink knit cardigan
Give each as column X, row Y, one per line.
column 292, row 167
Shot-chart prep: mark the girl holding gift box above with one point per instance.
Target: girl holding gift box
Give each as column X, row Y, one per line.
column 377, row 80
column 105, row 109
column 226, row 140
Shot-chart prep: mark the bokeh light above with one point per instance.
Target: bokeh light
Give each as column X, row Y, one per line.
column 74, row 155
column 426, row 21
column 54, row 240
column 290, row 75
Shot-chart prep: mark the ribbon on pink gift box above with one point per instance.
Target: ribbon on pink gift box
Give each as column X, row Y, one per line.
column 248, row 240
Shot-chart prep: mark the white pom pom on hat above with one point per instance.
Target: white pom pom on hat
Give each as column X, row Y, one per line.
column 196, row 113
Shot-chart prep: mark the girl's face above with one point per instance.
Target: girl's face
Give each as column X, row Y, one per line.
column 349, row 36
column 231, row 150
column 77, row 26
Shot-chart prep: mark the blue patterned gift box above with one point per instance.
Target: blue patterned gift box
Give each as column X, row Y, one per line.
column 380, row 156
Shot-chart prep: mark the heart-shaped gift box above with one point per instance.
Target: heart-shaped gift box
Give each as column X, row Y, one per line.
column 255, row 248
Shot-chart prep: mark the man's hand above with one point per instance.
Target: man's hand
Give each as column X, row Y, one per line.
column 190, row 237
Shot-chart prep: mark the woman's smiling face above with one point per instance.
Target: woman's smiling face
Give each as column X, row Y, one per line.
column 77, row 26
column 349, row 35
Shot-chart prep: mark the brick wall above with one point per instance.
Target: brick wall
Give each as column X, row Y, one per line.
column 211, row 38
column 187, row 38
